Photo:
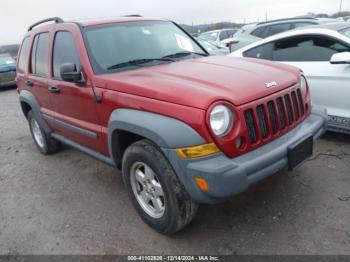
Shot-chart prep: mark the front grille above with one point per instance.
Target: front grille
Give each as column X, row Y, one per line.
column 7, row 77
column 265, row 120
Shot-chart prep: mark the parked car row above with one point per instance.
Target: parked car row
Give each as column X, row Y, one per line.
column 322, row 52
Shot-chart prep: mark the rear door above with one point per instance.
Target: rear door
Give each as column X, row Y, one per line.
column 75, row 107
column 37, row 80
column 329, row 83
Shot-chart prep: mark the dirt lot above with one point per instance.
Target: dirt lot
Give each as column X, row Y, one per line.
column 69, row 203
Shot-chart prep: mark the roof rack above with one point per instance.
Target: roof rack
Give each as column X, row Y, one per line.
column 57, row 20
column 287, row 19
column 136, row 15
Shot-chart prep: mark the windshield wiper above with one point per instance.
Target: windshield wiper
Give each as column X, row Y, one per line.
column 138, row 62
column 184, row 53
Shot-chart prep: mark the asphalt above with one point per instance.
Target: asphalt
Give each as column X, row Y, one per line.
column 69, row 203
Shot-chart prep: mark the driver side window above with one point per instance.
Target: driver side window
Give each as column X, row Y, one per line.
column 307, row 49
column 64, row 51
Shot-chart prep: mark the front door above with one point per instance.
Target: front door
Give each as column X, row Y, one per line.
column 75, row 108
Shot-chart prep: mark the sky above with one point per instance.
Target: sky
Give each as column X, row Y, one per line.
column 17, row 15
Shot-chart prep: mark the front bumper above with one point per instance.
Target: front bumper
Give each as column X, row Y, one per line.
column 227, row 177
column 339, row 124
column 7, row 78
column 9, row 83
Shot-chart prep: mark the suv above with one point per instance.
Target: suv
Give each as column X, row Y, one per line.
column 254, row 32
column 142, row 95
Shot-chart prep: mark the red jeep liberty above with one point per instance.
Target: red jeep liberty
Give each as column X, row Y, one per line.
column 184, row 127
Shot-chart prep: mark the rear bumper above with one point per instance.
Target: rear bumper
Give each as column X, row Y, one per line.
column 227, row 177
column 339, row 124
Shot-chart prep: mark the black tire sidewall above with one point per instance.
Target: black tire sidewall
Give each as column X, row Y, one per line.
column 139, row 154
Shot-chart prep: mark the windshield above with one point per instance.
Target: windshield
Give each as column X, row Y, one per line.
column 116, row 47
column 209, row 36
column 7, row 60
column 346, row 32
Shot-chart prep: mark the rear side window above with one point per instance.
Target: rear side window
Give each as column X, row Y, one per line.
column 64, row 51
column 259, row 32
column 40, row 55
column 302, row 24
column 23, row 56
column 276, row 29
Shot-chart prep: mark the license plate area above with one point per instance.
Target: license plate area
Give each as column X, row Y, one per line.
column 299, row 152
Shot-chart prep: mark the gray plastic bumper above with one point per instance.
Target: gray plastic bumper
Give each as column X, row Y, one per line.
column 227, row 177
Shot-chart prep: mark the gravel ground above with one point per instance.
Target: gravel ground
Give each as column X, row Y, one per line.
column 69, row 203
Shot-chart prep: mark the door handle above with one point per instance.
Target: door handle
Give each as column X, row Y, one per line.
column 29, row 83
column 54, row 90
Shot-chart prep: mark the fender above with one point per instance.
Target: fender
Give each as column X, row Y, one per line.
column 28, row 97
column 165, row 131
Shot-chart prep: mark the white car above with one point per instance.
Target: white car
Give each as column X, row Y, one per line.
column 323, row 53
column 218, row 37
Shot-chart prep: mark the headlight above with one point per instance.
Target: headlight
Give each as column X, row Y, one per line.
column 303, row 86
column 221, row 120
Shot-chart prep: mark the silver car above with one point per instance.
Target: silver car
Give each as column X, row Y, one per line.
column 212, row 48
column 253, row 32
column 218, row 37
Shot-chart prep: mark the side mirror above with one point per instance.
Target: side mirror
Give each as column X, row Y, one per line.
column 70, row 73
column 340, row 58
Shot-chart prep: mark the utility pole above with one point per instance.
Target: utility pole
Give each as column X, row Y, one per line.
column 340, row 7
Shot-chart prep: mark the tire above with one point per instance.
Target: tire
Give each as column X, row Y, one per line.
column 44, row 142
column 178, row 208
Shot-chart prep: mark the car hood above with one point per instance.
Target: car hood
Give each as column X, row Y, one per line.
column 7, row 68
column 202, row 81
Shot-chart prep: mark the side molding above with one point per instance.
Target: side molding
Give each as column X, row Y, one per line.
column 28, row 97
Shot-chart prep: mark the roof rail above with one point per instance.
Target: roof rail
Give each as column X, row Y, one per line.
column 287, row 19
column 55, row 19
column 136, row 15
